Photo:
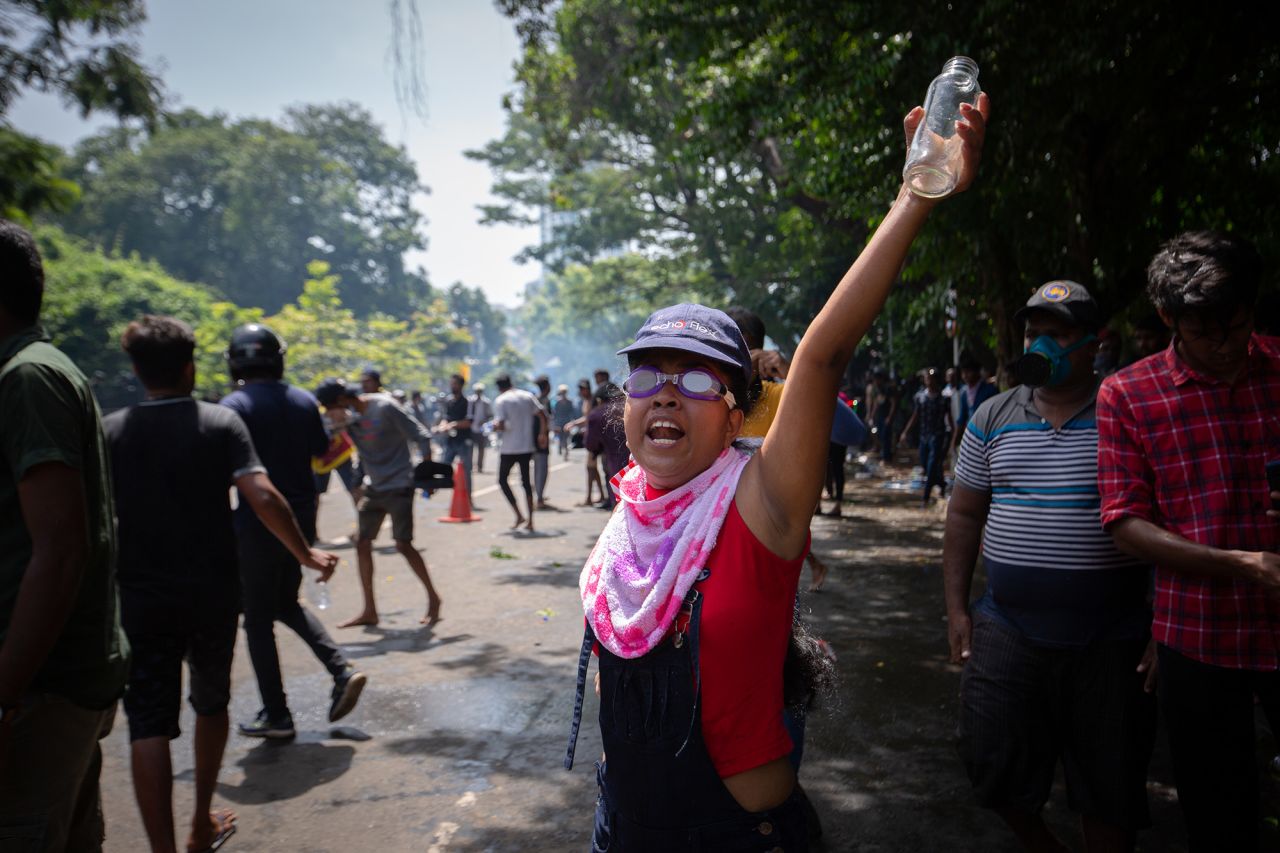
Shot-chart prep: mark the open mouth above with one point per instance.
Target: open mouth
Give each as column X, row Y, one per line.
column 664, row 433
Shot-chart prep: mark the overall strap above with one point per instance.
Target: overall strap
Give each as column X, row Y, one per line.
column 693, row 601
column 584, row 663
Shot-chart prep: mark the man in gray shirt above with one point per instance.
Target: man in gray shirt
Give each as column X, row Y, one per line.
column 381, row 429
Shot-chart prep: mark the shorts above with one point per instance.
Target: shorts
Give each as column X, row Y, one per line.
column 153, row 698
column 1022, row 707
column 375, row 506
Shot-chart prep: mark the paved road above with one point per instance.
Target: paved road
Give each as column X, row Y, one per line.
column 458, row 740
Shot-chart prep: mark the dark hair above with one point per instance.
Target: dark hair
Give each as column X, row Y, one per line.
column 160, row 349
column 21, row 274
column 1150, row 322
column 807, row 669
column 600, row 371
column 455, row 377
column 584, row 383
column 543, row 381
column 738, row 384
column 1206, row 273
column 749, row 323
column 331, row 391
column 503, row 381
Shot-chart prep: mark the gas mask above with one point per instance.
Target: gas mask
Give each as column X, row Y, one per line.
column 1045, row 363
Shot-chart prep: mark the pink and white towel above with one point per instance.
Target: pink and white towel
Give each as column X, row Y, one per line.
column 651, row 552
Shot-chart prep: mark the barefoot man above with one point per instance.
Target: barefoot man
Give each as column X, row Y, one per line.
column 381, row 429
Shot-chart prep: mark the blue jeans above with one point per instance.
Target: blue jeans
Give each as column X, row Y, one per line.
column 932, row 452
column 458, row 448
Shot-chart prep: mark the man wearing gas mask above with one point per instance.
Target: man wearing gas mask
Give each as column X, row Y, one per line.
column 1053, row 651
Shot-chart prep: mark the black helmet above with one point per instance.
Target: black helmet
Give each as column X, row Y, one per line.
column 254, row 346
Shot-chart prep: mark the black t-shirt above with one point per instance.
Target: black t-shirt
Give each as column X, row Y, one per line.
column 458, row 409
column 287, row 430
column 173, row 462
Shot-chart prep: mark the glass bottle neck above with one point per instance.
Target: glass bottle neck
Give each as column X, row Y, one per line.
column 961, row 66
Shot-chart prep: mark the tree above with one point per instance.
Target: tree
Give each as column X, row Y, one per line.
column 90, row 298
column 243, row 206
column 512, row 362
column 760, row 140
column 81, row 50
column 469, row 309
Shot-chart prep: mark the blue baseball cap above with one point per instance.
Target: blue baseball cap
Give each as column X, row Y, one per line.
column 698, row 329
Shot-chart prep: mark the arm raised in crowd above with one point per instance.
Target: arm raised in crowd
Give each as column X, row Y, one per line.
column 273, row 511
column 781, row 486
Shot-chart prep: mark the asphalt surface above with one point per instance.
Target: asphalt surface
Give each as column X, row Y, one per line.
column 458, row 740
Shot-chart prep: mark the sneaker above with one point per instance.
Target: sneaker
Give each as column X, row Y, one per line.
column 263, row 727
column 346, row 693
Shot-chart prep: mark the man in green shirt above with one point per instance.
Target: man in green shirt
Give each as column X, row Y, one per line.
column 63, row 656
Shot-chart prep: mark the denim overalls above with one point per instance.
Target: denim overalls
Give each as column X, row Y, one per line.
column 660, row 791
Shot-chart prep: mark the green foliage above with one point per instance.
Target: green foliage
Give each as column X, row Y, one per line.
column 90, row 299
column 512, row 362
column 29, row 177
column 470, row 310
column 760, row 142
column 583, row 315
column 245, row 205
column 82, row 50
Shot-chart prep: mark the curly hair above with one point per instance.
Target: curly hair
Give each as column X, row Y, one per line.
column 1207, row 273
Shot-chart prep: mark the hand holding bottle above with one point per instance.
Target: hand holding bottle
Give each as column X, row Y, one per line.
column 971, row 129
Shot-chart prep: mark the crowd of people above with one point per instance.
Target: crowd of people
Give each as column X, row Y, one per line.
column 1123, row 518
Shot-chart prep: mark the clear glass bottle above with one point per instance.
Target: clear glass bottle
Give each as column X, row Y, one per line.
column 933, row 161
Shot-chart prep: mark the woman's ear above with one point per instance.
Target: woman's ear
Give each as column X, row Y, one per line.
column 733, row 425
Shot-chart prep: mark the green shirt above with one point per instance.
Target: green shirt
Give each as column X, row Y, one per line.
column 50, row 415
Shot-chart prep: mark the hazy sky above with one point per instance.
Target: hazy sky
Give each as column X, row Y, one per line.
column 255, row 58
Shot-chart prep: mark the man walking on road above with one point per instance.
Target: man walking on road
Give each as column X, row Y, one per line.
column 1185, row 439
column 287, row 431
column 173, row 460
column 542, row 452
column 1053, row 651
column 523, row 426
column 381, row 430
column 63, row 655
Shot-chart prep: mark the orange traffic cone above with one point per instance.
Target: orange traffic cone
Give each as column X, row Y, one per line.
column 460, row 509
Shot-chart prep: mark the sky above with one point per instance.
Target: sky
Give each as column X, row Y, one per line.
column 256, row 58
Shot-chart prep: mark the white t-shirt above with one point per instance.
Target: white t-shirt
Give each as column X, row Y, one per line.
column 517, row 409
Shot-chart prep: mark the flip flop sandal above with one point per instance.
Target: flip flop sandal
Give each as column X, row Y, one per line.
column 226, row 829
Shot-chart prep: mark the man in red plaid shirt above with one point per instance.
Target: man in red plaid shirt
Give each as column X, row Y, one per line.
column 1184, row 438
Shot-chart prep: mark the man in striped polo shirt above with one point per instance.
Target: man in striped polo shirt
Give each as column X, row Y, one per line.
column 1054, row 650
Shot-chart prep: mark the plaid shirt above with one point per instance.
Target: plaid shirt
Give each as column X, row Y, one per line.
column 1187, row 453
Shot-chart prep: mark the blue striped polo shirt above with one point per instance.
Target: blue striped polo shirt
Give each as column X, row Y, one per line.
column 1052, row 572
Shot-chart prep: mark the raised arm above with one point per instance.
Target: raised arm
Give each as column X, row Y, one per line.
column 781, row 484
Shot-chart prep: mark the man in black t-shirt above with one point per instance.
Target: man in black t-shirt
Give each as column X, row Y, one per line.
column 288, row 431
column 455, row 428
column 173, row 459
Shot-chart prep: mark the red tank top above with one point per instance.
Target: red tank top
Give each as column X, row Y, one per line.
column 747, row 608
